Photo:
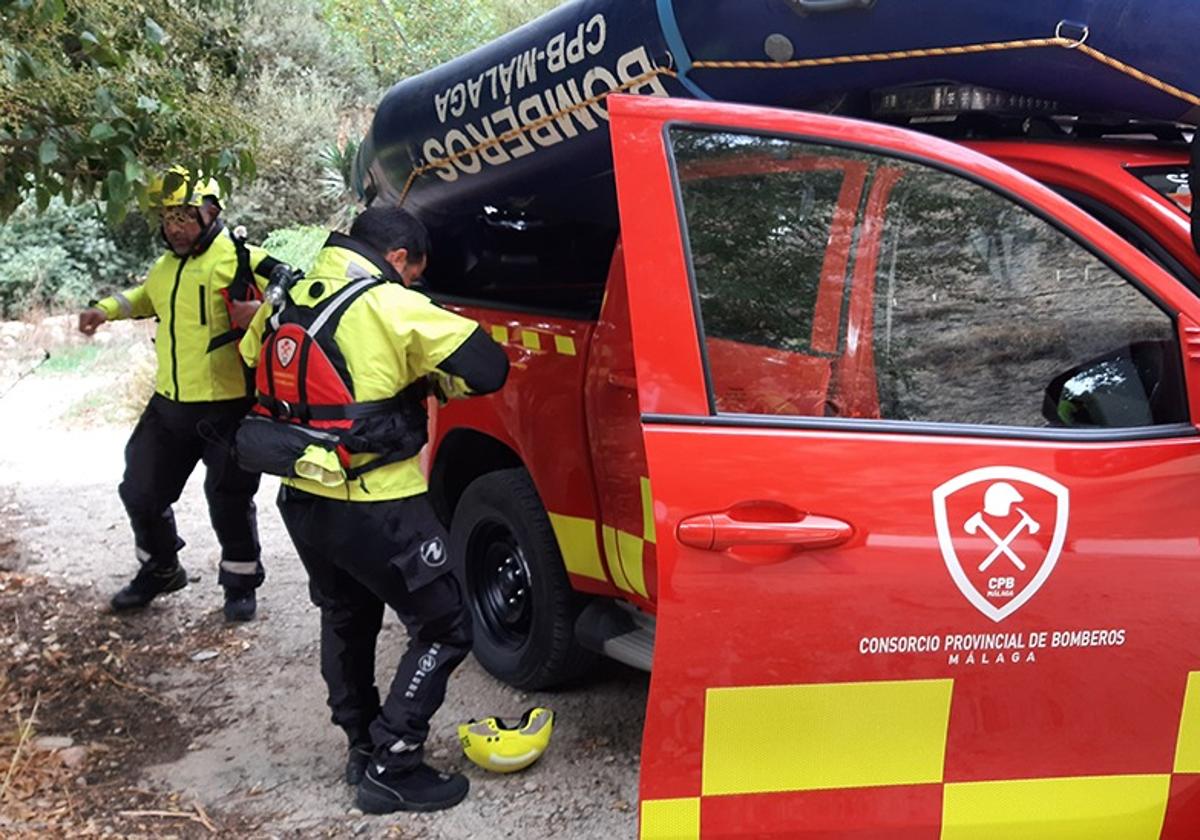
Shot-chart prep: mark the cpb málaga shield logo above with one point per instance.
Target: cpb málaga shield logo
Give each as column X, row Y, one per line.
column 1000, row 530
column 285, row 350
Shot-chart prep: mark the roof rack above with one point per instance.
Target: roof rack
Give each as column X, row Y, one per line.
column 965, row 111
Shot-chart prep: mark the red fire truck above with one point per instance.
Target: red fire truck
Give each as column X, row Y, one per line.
column 882, row 449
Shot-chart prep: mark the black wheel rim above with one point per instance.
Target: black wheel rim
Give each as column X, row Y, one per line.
column 500, row 584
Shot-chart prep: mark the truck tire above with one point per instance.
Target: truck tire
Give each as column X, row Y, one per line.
column 522, row 605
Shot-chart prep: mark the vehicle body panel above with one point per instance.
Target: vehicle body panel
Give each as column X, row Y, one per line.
column 538, row 413
column 767, row 715
column 1106, row 175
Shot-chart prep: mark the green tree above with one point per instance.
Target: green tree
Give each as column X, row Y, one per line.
column 402, row 39
column 63, row 256
column 98, row 96
column 309, row 89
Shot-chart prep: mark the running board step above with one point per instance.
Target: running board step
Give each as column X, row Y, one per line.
column 617, row 630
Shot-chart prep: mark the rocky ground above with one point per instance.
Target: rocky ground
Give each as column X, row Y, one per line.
column 172, row 723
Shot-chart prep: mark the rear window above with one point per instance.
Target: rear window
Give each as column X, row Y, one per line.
column 523, row 262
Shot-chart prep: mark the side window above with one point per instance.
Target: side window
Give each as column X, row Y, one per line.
column 516, row 259
column 770, row 226
column 842, row 283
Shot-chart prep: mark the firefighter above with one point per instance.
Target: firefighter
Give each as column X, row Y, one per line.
column 202, row 292
column 368, row 536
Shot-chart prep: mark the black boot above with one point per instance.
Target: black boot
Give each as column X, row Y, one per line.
column 357, row 760
column 240, row 604
column 149, row 582
column 421, row 788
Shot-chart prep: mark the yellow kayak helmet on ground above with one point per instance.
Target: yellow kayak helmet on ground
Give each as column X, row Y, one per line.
column 177, row 188
column 496, row 746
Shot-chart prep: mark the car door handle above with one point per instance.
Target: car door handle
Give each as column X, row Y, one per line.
column 622, row 379
column 722, row 531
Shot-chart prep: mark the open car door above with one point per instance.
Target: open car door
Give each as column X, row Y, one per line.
column 929, row 562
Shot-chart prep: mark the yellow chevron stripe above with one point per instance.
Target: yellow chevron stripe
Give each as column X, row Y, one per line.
column 1088, row 808
column 838, row 735
column 614, row 559
column 1187, row 747
column 647, row 511
column 577, row 542
column 671, row 819
column 531, row 340
column 632, row 564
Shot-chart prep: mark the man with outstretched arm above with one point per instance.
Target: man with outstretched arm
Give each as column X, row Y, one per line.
column 203, row 291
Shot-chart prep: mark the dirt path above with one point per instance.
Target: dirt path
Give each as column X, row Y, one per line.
column 247, row 734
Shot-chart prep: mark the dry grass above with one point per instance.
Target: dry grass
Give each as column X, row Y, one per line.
column 118, row 364
column 125, row 386
column 70, row 674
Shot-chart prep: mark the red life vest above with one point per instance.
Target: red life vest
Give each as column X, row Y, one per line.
column 303, row 384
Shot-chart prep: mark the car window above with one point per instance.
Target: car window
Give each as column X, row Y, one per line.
column 770, row 229
column 953, row 303
column 1141, row 238
column 516, row 260
column 1171, row 182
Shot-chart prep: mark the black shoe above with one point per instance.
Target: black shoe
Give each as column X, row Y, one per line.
column 149, row 582
column 356, row 763
column 422, row 788
column 240, row 604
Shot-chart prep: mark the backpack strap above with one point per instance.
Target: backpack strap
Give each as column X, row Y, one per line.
column 398, row 455
column 242, row 288
column 328, row 314
column 332, row 309
column 283, row 410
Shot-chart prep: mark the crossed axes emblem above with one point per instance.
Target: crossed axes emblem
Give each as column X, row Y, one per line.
column 998, row 501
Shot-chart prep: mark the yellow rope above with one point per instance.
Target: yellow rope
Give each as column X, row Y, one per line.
column 801, row 63
column 966, row 49
column 1146, row 78
column 861, row 58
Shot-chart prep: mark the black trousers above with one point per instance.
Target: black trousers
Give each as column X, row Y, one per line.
column 167, row 443
column 361, row 556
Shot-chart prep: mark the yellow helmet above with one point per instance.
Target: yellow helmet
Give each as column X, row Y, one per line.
column 166, row 191
column 496, row 746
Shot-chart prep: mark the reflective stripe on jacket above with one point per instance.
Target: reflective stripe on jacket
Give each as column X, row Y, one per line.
column 390, row 337
column 185, row 294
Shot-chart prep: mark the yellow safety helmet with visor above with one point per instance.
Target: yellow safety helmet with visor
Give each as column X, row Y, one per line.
column 177, row 188
column 503, row 748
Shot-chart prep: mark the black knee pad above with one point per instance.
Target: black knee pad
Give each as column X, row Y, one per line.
column 137, row 502
column 453, row 630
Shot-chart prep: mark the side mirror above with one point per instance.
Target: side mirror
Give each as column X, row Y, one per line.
column 1138, row 385
column 1102, row 394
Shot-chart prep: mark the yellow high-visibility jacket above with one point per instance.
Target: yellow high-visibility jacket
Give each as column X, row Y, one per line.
column 184, row 293
column 390, row 337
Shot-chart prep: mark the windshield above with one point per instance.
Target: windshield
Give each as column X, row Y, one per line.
column 1171, row 182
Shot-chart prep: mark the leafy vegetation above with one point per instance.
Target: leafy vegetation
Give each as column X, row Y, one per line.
column 297, row 246
column 97, row 97
column 269, row 96
column 310, row 90
column 401, row 39
column 64, row 255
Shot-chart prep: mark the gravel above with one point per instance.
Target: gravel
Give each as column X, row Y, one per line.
column 271, row 754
